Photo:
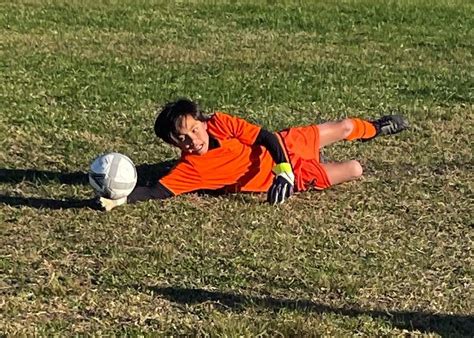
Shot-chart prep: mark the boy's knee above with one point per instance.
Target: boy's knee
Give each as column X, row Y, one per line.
column 356, row 168
column 346, row 127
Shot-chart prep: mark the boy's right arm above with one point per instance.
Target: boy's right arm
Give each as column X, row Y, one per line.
column 138, row 194
column 159, row 191
column 181, row 179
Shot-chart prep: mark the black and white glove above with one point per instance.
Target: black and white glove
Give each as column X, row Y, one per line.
column 282, row 186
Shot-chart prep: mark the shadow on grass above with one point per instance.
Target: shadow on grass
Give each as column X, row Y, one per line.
column 49, row 203
column 147, row 175
column 443, row 324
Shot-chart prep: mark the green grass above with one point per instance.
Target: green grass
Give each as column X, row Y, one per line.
column 390, row 254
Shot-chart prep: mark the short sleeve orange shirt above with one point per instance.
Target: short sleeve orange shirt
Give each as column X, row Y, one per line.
column 237, row 165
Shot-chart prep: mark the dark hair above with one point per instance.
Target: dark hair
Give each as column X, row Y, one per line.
column 171, row 116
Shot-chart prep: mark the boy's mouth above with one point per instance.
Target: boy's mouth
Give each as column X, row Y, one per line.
column 197, row 149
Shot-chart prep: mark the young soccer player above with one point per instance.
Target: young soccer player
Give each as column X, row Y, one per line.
column 226, row 153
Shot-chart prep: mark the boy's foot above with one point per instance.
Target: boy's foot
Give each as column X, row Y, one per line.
column 390, row 124
column 108, row 204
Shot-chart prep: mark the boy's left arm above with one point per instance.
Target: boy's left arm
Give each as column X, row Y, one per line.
column 282, row 186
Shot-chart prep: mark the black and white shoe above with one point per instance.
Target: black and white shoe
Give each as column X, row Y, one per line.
column 388, row 125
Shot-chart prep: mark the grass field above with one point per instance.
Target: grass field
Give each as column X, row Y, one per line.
column 390, row 254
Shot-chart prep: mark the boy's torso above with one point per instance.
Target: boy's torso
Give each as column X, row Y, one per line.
column 237, row 165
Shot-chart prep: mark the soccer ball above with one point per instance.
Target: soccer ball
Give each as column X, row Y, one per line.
column 113, row 175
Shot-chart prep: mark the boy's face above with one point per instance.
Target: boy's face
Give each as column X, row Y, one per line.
column 192, row 136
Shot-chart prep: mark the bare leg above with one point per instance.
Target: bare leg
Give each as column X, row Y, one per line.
column 331, row 132
column 339, row 172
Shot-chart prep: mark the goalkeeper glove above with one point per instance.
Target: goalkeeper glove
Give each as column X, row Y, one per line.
column 282, row 186
column 108, row 204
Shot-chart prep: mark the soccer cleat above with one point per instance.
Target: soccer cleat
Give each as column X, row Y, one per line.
column 108, row 204
column 388, row 125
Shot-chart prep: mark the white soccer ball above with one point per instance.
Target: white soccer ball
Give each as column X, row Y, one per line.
column 113, row 175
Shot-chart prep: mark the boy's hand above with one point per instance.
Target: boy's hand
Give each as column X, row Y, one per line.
column 282, row 186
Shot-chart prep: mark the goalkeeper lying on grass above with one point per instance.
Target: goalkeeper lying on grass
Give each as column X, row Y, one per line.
column 229, row 154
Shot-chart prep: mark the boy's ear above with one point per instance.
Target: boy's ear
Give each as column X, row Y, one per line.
column 205, row 125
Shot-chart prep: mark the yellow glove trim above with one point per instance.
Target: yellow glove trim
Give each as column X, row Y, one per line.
column 283, row 167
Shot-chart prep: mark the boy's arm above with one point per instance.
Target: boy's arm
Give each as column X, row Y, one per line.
column 138, row 194
column 282, row 186
column 181, row 179
column 270, row 141
column 159, row 191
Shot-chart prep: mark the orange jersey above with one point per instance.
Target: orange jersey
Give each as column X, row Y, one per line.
column 237, row 165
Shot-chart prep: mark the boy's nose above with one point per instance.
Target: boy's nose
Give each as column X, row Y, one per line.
column 193, row 140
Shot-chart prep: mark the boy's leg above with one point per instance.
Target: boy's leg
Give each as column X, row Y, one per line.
column 347, row 129
column 340, row 172
column 330, row 132
column 358, row 129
